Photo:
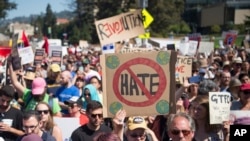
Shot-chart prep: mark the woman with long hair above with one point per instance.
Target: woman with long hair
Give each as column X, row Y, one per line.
column 48, row 123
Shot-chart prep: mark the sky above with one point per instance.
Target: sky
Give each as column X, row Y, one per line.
column 28, row 7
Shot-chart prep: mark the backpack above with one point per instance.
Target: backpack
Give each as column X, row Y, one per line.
column 50, row 102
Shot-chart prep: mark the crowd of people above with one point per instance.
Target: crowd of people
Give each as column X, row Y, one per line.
column 35, row 94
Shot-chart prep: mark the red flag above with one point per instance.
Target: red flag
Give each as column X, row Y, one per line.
column 46, row 45
column 25, row 40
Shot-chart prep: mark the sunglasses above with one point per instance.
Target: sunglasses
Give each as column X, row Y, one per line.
column 184, row 132
column 95, row 115
column 137, row 136
column 43, row 111
column 246, row 92
column 87, row 95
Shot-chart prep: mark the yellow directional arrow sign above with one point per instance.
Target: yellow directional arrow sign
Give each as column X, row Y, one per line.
column 147, row 18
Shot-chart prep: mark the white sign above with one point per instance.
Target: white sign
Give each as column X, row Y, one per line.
column 192, row 48
column 183, row 48
column 67, row 126
column 206, row 47
column 219, row 107
column 54, row 48
column 109, row 48
column 26, row 54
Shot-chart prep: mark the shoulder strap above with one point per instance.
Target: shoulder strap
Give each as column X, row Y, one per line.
column 50, row 102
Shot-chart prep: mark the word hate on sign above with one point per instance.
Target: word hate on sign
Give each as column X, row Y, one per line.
column 120, row 27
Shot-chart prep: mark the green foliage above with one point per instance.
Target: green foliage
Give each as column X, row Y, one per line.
column 215, row 29
column 6, row 5
column 247, row 21
column 49, row 22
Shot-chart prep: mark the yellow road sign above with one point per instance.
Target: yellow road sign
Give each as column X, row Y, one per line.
column 146, row 35
column 147, row 18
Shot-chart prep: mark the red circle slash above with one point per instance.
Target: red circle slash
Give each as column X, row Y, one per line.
column 150, row 98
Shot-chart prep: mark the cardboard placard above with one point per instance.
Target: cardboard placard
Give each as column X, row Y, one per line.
column 14, row 51
column 120, row 27
column 206, row 47
column 183, row 68
column 39, row 56
column 141, row 81
column 26, row 54
column 56, row 57
column 219, row 107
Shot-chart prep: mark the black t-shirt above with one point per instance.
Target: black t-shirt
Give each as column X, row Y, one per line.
column 83, row 133
column 16, row 116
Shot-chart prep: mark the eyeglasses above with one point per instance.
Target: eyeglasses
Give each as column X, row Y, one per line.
column 30, row 127
column 184, row 132
column 95, row 115
column 43, row 111
column 137, row 135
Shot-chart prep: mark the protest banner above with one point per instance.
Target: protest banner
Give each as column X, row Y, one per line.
column 120, row 27
column 67, row 126
column 39, row 56
column 183, row 68
column 219, row 107
column 141, row 81
column 26, row 54
column 206, row 47
column 56, row 57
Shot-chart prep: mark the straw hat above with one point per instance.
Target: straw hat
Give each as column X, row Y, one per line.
column 29, row 75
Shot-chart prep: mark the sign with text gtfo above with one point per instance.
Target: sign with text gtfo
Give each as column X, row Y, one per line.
column 120, row 27
column 219, row 107
column 183, row 68
column 141, row 81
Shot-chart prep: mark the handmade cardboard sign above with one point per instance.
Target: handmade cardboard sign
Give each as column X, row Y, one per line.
column 183, row 68
column 120, row 27
column 39, row 56
column 219, row 107
column 54, row 48
column 206, row 47
column 26, row 54
column 140, row 83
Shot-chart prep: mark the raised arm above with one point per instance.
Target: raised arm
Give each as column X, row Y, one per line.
column 18, row 86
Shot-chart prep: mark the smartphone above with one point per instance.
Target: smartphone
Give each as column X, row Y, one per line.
column 195, row 79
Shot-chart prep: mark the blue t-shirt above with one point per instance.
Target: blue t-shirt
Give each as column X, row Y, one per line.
column 64, row 93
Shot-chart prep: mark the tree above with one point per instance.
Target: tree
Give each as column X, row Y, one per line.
column 215, row 29
column 6, row 5
column 49, row 22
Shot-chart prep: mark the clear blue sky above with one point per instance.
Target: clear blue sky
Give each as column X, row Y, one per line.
column 28, row 7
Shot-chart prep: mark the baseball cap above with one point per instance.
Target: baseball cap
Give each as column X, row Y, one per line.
column 38, row 86
column 74, row 99
column 245, row 87
column 31, row 137
column 136, row 122
column 85, row 61
column 55, row 68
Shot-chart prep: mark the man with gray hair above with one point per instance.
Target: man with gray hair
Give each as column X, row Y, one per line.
column 181, row 126
column 207, row 86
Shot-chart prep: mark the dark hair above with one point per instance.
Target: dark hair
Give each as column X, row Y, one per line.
column 99, row 81
column 242, row 75
column 31, row 113
column 107, row 137
column 93, row 105
column 7, row 91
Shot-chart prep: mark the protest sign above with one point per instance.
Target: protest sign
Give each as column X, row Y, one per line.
column 39, row 56
column 192, row 48
column 14, row 51
column 219, row 107
column 67, row 126
column 56, row 57
column 54, row 48
column 120, row 27
column 206, row 47
column 141, row 81
column 26, row 54
column 109, row 48
column 183, row 68
column 83, row 44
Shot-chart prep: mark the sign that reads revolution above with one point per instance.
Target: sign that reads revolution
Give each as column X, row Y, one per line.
column 141, row 81
column 120, row 27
